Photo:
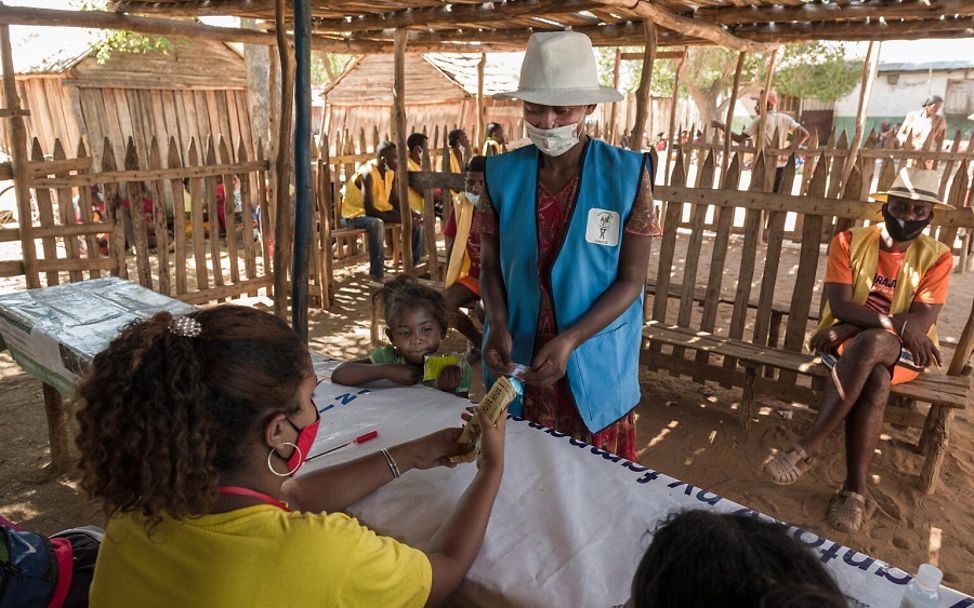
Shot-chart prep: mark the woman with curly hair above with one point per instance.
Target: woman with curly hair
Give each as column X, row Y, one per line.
column 191, row 431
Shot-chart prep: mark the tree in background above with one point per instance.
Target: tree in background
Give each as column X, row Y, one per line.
column 817, row 70
column 326, row 67
column 109, row 41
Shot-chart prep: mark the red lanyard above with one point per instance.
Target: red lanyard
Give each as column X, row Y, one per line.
column 239, row 491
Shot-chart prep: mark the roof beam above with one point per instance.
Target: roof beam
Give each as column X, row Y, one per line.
column 671, row 54
column 869, row 9
column 454, row 13
column 952, row 27
column 261, row 9
column 621, row 34
column 17, row 15
column 687, row 25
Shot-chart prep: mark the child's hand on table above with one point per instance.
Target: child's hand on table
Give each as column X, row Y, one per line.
column 404, row 373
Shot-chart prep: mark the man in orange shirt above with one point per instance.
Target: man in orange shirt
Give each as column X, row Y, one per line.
column 885, row 286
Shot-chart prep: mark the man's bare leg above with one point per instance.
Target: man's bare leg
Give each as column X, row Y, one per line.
column 863, row 428
column 457, row 295
column 868, row 349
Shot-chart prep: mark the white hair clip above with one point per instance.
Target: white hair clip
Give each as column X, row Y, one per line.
column 187, row 327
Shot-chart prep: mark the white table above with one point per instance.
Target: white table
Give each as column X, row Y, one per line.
column 570, row 522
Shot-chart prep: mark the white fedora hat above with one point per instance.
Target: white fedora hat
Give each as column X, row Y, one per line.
column 559, row 70
column 915, row 184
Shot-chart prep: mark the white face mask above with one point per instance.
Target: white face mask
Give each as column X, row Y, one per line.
column 473, row 198
column 553, row 142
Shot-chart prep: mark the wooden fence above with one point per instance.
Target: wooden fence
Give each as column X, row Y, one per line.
column 876, row 170
column 173, row 244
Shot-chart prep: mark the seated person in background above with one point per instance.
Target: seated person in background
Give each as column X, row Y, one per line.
column 370, row 199
column 191, row 431
column 462, row 234
column 416, row 322
column 495, row 142
column 416, row 143
column 457, row 138
column 884, row 288
column 699, row 558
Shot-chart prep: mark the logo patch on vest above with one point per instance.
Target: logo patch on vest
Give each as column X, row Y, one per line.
column 602, row 227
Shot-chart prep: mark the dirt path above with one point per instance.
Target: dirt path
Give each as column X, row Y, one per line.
column 686, row 430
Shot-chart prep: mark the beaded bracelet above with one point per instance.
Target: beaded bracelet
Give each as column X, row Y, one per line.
column 393, row 467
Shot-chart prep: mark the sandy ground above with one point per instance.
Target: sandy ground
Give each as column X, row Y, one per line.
column 686, row 430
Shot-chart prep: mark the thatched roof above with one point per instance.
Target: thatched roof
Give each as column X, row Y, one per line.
column 747, row 25
column 431, row 78
column 500, row 71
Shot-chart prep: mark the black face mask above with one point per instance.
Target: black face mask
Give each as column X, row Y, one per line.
column 903, row 230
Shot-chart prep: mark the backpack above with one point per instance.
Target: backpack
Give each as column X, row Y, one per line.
column 41, row 572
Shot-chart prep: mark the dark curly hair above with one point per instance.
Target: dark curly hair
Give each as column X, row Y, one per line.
column 405, row 291
column 475, row 164
column 699, row 558
column 163, row 415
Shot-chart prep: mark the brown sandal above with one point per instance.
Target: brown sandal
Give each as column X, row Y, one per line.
column 846, row 511
column 785, row 468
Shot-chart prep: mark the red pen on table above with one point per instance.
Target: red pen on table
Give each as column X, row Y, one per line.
column 360, row 439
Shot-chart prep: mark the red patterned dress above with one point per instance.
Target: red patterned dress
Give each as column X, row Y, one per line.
column 554, row 406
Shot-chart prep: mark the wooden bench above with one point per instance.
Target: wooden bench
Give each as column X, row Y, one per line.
column 747, row 353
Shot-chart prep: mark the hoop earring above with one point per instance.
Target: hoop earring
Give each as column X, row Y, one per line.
column 292, row 471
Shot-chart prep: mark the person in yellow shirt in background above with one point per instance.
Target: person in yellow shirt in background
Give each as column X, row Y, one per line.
column 459, row 142
column 495, row 142
column 369, row 200
column 462, row 232
column 416, row 143
column 191, row 432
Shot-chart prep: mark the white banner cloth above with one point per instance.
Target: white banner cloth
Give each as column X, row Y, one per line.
column 570, row 523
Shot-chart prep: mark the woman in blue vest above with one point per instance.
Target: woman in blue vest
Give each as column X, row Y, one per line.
column 565, row 245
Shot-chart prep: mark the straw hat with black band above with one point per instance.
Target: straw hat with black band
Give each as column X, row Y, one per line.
column 913, row 183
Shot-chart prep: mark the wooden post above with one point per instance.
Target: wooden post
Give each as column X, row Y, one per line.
column 763, row 107
column 303, row 205
column 402, row 154
column 939, row 425
column 283, row 228
column 676, row 97
column 17, row 145
column 869, row 68
column 611, row 134
column 480, row 137
column 429, row 219
column 644, row 96
column 729, row 121
column 57, row 427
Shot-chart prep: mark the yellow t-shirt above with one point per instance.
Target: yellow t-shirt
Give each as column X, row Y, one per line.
column 352, row 203
column 256, row 556
column 416, row 202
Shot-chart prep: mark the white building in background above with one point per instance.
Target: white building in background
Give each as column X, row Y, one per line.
column 902, row 87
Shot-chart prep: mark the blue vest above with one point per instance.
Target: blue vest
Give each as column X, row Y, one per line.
column 603, row 372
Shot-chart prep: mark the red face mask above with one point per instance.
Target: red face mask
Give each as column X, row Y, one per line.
column 306, row 438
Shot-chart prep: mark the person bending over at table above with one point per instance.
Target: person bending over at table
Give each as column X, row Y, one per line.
column 370, row 199
column 885, row 285
column 565, row 227
column 700, row 558
column 416, row 322
column 191, row 431
column 462, row 234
